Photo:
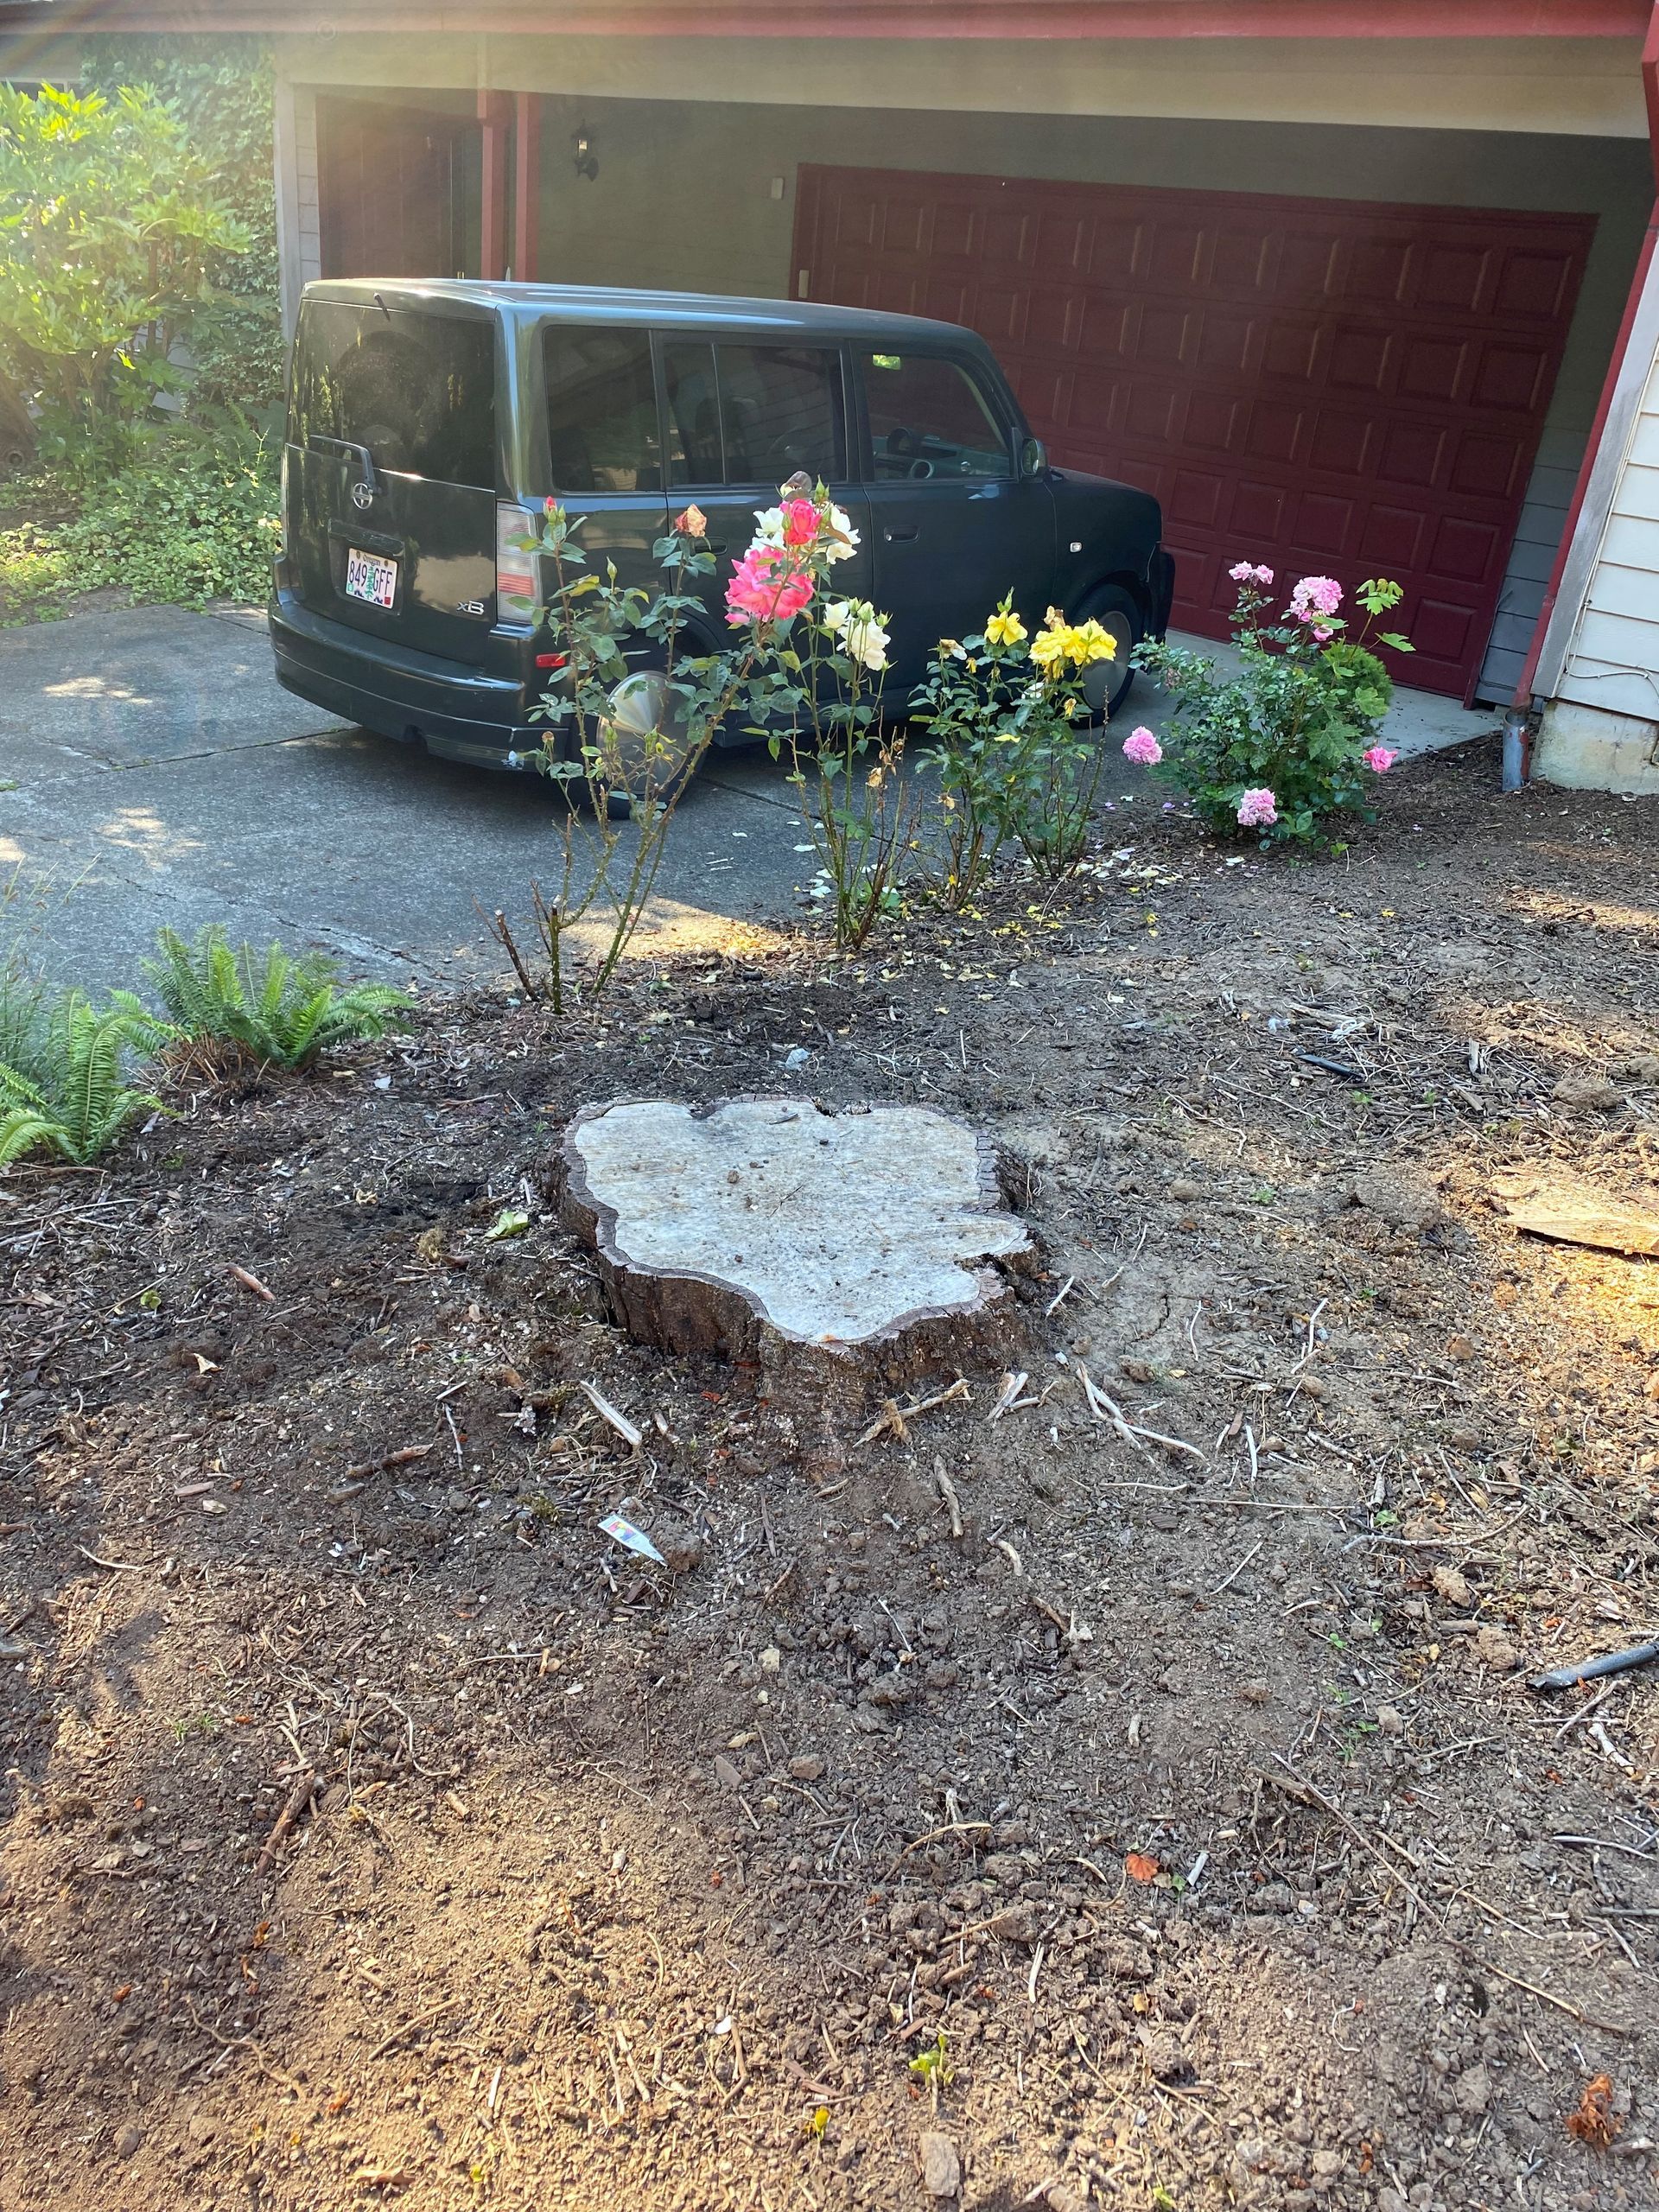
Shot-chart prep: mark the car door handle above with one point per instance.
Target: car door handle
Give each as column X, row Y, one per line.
column 899, row 535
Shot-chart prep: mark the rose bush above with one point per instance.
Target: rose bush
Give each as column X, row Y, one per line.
column 1291, row 740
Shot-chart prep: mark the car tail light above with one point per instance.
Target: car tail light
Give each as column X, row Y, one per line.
column 518, row 570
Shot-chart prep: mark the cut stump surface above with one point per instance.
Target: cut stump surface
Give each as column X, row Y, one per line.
column 763, row 1224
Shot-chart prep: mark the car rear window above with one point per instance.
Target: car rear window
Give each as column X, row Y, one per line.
column 601, row 411
column 752, row 414
column 417, row 389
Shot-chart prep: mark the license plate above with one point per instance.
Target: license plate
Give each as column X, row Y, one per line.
column 371, row 579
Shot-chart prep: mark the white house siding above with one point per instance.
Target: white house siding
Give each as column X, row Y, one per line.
column 1611, row 662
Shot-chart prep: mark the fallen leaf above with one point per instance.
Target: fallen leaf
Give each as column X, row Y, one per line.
column 511, row 1221
column 1139, row 1868
column 1595, row 2122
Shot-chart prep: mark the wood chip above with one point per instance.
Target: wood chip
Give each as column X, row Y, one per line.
column 624, row 1428
column 1580, row 1217
column 253, row 1283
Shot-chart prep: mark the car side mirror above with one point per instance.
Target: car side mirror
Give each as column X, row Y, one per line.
column 1033, row 458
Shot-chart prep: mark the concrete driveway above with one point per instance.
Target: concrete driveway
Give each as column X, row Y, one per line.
column 152, row 771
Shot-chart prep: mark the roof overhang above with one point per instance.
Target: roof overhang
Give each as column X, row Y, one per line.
column 860, row 19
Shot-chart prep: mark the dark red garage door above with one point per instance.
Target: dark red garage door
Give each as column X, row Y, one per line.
column 1325, row 386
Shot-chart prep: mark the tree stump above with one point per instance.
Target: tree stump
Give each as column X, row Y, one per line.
column 848, row 1247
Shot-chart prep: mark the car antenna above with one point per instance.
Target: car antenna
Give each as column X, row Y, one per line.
column 383, row 308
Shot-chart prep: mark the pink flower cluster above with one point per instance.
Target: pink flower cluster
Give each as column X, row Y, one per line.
column 1379, row 760
column 1241, row 572
column 1142, row 748
column 1313, row 597
column 767, row 585
column 1257, row 809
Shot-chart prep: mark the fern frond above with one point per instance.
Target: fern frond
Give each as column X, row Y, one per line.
column 270, row 1006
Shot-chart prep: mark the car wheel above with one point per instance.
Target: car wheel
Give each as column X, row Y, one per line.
column 644, row 740
column 1106, row 682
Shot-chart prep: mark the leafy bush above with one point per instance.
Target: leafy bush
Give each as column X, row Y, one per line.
column 1008, row 724
column 268, row 1006
column 110, row 225
column 1292, row 739
column 193, row 518
column 221, row 92
column 63, row 1088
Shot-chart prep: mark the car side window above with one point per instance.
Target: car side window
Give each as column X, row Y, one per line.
column 693, row 425
column 601, row 411
column 929, row 417
column 781, row 411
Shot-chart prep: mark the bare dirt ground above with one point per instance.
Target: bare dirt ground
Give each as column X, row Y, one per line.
column 373, row 1829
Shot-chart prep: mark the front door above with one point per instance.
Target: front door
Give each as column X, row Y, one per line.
column 956, row 527
column 741, row 416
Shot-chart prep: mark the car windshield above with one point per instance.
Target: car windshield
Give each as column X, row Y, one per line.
column 416, row 389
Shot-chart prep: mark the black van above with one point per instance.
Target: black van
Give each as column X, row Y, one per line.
column 427, row 421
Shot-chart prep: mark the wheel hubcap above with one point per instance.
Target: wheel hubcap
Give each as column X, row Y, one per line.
column 1102, row 678
column 644, row 736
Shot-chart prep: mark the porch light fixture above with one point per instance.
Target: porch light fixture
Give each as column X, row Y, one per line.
column 586, row 160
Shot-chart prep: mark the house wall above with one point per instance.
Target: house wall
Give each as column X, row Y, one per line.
column 730, row 234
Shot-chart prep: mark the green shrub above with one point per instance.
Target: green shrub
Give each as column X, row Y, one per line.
column 110, row 226
column 193, row 519
column 64, row 1090
column 268, row 1006
column 1291, row 740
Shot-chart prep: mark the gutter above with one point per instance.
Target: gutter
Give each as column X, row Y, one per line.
column 1522, row 720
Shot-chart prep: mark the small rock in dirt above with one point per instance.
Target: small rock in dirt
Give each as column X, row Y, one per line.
column 127, row 2141
column 1495, row 1650
column 1062, row 2197
column 1256, row 1693
column 1047, row 1486
column 1183, row 1188
column 1452, row 1584
column 1398, row 1200
column 1391, row 1720
column 1593, row 1091
column 1165, row 2060
column 680, row 1546
column 771, row 1659
column 807, row 1767
column 1015, row 1924
column 941, row 2167
column 894, row 1689
column 1004, row 1868
column 725, row 1774
column 942, row 1674
column 1472, row 2092
column 1641, row 1067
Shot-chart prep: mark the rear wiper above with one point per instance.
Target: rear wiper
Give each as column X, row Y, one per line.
column 349, row 445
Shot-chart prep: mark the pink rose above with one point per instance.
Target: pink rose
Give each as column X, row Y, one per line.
column 800, row 522
column 1323, row 631
column 1314, row 596
column 1379, row 760
column 550, row 504
column 1241, row 572
column 1142, row 748
column 1264, row 575
column 766, row 587
column 692, row 522
column 1257, row 809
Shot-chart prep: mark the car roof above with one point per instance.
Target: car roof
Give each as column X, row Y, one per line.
column 587, row 303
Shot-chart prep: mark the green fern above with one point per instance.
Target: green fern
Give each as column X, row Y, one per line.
column 267, row 1007
column 71, row 1097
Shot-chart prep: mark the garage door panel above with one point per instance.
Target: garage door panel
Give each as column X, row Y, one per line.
column 1328, row 383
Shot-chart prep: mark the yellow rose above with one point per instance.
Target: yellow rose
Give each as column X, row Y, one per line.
column 1050, row 649
column 1090, row 642
column 1004, row 630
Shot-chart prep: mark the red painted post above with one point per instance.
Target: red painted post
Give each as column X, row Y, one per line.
column 493, row 111
column 526, row 187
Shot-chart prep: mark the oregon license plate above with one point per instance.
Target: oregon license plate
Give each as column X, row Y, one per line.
column 371, row 579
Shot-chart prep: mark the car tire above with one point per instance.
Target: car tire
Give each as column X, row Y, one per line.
column 1107, row 684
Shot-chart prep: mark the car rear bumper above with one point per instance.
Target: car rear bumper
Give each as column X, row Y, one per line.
column 458, row 712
